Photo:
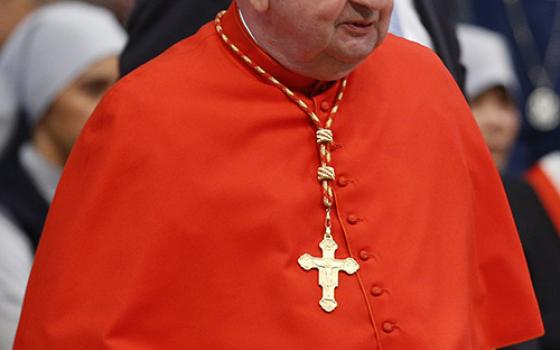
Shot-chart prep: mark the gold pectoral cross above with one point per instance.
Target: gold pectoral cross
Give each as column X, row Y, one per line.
column 328, row 267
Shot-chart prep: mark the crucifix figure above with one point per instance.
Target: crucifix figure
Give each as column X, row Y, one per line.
column 328, row 267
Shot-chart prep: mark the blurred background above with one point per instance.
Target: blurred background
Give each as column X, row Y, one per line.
column 531, row 30
column 504, row 55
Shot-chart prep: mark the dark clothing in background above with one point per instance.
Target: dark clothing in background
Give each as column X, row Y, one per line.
column 19, row 134
column 537, row 232
column 439, row 17
column 21, row 199
column 542, row 249
column 533, row 144
column 19, row 196
column 154, row 26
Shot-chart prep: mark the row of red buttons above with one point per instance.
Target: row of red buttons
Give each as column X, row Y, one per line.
column 376, row 291
column 352, row 219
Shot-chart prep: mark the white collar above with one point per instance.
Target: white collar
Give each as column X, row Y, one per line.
column 245, row 25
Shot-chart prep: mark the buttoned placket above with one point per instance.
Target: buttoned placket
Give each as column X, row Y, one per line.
column 353, row 223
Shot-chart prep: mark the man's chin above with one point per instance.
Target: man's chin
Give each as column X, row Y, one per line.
column 354, row 54
column 354, row 59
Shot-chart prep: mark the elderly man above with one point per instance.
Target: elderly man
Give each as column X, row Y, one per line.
column 270, row 183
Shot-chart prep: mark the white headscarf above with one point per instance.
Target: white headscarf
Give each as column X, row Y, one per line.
column 487, row 60
column 52, row 47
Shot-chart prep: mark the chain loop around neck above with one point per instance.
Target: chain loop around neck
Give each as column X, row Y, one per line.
column 325, row 140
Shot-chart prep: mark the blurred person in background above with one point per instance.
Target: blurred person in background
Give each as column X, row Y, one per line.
column 493, row 90
column 13, row 127
column 121, row 8
column 532, row 28
column 59, row 62
column 11, row 13
column 433, row 24
column 544, row 176
column 154, row 26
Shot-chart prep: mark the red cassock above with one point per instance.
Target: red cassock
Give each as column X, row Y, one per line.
column 192, row 192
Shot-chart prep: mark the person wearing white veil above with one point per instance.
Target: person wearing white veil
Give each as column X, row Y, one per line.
column 12, row 12
column 59, row 62
column 492, row 88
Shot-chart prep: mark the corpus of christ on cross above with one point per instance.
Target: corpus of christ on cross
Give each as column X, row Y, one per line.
column 328, row 267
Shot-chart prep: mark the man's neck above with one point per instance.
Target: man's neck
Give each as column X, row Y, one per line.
column 311, row 69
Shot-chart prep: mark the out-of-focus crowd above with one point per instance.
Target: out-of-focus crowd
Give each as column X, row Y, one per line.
column 56, row 61
column 58, row 58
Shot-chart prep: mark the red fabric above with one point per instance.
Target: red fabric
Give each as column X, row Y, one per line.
column 546, row 192
column 192, row 192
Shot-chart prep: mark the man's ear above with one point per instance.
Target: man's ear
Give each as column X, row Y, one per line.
column 260, row 6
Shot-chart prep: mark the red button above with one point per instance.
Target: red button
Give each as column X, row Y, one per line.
column 364, row 255
column 376, row 291
column 352, row 219
column 325, row 106
column 388, row 327
column 343, row 181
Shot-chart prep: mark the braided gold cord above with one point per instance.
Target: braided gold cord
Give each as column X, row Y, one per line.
column 325, row 139
column 324, row 136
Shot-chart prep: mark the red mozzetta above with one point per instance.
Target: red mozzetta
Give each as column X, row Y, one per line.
column 192, row 193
